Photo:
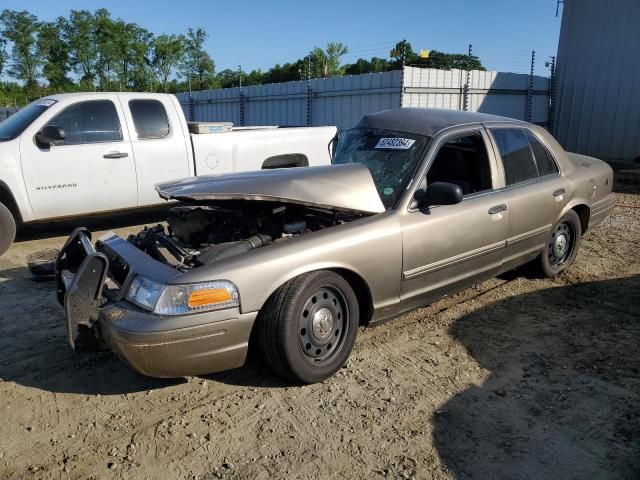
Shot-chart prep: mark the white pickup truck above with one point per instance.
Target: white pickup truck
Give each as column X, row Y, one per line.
column 84, row 153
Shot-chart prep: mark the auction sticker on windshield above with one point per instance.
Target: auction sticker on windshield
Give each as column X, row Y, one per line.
column 395, row 143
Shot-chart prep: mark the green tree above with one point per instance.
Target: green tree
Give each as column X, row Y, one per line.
column 53, row 50
column 21, row 29
column 197, row 66
column 165, row 54
column 80, row 32
column 133, row 45
column 3, row 54
column 436, row 59
column 447, row 61
column 333, row 53
column 362, row 65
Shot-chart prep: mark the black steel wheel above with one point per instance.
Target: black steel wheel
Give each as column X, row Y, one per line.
column 562, row 245
column 308, row 327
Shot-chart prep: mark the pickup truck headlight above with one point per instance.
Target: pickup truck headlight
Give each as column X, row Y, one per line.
column 182, row 299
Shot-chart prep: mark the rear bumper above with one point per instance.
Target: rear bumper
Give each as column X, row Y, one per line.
column 601, row 210
column 214, row 342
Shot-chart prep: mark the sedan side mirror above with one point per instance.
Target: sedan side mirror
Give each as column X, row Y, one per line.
column 440, row 193
column 50, row 134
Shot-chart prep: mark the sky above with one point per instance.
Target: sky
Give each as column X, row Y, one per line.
column 259, row 34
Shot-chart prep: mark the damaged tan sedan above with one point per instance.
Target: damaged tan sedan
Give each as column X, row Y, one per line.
column 418, row 204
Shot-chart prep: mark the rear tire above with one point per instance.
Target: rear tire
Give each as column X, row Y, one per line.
column 7, row 229
column 562, row 246
column 307, row 328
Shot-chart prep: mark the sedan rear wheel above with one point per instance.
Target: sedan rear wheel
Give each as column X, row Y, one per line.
column 562, row 245
column 308, row 327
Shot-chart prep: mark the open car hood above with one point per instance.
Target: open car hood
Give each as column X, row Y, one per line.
column 337, row 187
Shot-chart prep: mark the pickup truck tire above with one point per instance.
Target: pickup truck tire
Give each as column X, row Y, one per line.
column 7, row 229
column 307, row 328
column 562, row 246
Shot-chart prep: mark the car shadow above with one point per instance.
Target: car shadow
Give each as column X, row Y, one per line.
column 561, row 399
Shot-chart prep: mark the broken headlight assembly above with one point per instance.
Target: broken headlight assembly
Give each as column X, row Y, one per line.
column 163, row 299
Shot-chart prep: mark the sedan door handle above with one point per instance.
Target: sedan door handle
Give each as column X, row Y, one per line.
column 560, row 191
column 497, row 209
column 115, row 155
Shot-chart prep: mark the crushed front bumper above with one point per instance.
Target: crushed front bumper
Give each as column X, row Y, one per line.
column 90, row 284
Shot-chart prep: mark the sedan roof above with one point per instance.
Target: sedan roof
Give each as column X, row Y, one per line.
column 425, row 121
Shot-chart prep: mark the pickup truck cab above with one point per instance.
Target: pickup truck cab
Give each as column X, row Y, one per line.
column 85, row 153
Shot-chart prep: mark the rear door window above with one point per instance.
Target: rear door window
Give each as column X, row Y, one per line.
column 93, row 121
column 545, row 162
column 150, row 118
column 517, row 157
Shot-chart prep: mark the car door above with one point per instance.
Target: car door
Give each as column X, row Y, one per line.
column 535, row 191
column 159, row 145
column 449, row 247
column 91, row 170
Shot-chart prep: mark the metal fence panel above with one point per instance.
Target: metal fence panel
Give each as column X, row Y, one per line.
column 6, row 112
column 342, row 101
column 497, row 93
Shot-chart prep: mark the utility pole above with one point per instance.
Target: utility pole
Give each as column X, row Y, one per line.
column 465, row 105
column 530, row 92
column 552, row 93
column 309, row 92
column 403, row 51
column 240, row 76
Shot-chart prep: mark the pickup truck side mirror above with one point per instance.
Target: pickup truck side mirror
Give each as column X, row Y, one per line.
column 439, row 193
column 49, row 135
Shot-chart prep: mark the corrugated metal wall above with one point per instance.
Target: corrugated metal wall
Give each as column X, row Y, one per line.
column 598, row 78
column 342, row 101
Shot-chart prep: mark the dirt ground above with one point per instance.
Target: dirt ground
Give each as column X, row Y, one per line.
column 515, row 378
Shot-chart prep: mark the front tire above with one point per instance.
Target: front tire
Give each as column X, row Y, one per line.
column 562, row 245
column 7, row 229
column 308, row 326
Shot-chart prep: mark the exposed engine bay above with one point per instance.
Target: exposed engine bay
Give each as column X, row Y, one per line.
column 200, row 235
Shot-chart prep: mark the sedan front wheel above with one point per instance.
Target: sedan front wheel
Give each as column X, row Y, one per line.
column 308, row 326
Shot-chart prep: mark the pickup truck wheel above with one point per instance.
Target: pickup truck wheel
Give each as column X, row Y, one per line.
column 7, row 229
column 562, row 245
column 308, row 326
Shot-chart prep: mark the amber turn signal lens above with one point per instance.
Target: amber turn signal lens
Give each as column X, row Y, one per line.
column 209, row 296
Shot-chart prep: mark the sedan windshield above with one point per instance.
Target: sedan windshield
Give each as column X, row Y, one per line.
column 392, row 158
column 16, row 123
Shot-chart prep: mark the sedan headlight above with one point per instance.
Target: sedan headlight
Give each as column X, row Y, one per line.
column 144, row 292
column 182, row 299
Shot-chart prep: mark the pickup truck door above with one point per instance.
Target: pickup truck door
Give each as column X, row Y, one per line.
column 449, row 247
column 91, row 170
column 535, row 192
column 160, row 142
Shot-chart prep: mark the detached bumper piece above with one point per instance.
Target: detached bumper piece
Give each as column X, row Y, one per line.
column 80, row 276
